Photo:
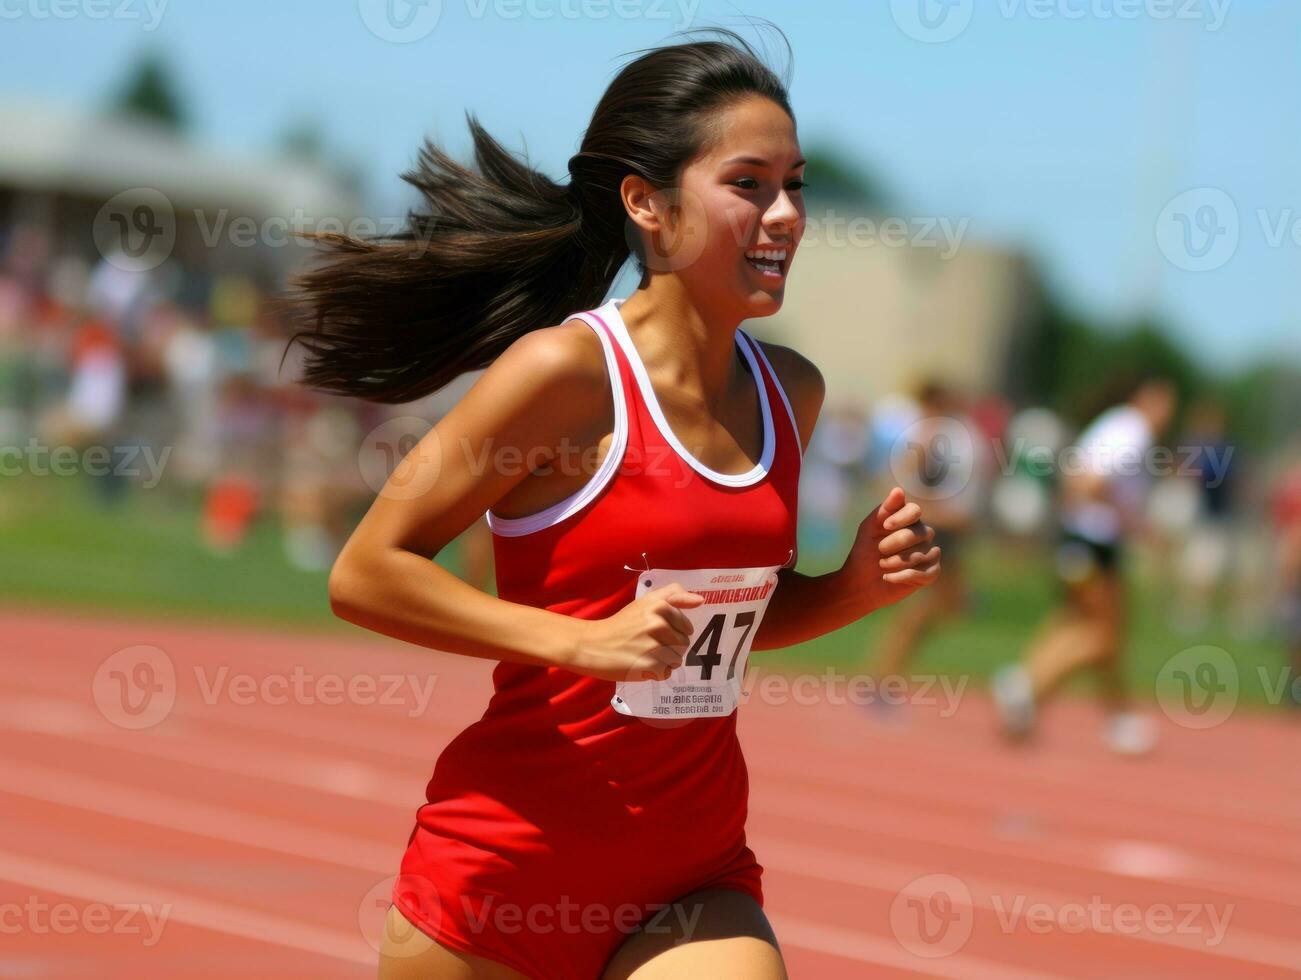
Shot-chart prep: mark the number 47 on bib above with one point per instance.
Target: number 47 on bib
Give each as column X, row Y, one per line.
column 709, row 681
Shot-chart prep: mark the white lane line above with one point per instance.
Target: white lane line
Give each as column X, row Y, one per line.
column 998, row 896
column 1177, row 793
column 1107, row 857
column 233, row 920
column 846, row 943
column 178, row 813
column 1181, row 794
column 382, row 787
column 233, row 827
column 228, row 826
column 55, row 716
column 192, row 909
column 341, row 777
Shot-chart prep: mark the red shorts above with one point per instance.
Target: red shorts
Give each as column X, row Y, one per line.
column 545, row 927
column 544, row 847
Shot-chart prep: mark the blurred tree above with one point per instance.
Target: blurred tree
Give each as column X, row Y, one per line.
column 1078, row 367
column 303, row 139
column 1263, row 403
column 149, row 93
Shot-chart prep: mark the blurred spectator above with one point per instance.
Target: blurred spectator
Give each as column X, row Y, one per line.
column 1022, row 501
column 832, row 469
column 1208, row 552
column 1287, row 521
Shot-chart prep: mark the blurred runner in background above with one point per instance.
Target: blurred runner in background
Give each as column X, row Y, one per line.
column 1101, row 507
column 944, row 463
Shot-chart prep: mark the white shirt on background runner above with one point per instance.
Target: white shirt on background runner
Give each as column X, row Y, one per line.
column 1114, row 446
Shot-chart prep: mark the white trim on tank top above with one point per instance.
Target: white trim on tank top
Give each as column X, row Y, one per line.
column 790, row 412
column 750, row 476
column 513, row 527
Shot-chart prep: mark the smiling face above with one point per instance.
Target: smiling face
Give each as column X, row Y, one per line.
column 738, row 214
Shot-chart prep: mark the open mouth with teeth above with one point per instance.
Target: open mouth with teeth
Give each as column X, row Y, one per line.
column 771, row 262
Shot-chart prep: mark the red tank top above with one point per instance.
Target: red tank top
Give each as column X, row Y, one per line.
column 557, row 772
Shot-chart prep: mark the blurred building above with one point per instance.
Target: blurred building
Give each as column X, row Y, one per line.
column 90, row 182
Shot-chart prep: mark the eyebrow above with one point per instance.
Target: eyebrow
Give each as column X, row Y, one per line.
column 760, row 162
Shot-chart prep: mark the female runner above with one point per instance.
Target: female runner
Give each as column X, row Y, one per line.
column 638, row 463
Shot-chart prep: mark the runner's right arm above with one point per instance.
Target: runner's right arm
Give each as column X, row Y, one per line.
column 536, row 395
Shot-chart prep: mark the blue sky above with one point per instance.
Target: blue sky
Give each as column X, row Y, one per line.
column 1069, row 128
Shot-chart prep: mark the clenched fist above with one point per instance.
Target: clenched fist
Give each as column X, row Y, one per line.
column 892, row 555
column 645, row 640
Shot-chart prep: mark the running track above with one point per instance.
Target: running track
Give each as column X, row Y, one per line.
column 261, row 836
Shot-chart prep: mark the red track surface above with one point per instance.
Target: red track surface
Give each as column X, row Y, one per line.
column 261, row 837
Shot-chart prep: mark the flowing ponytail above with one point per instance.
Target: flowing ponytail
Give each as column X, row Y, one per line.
column 500, row 249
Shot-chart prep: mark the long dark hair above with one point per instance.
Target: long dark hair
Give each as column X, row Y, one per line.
column 501, row 249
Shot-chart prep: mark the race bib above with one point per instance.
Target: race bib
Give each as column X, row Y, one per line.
column 709, row 681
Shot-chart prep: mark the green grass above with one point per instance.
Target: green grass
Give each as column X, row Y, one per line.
column 61, row 549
